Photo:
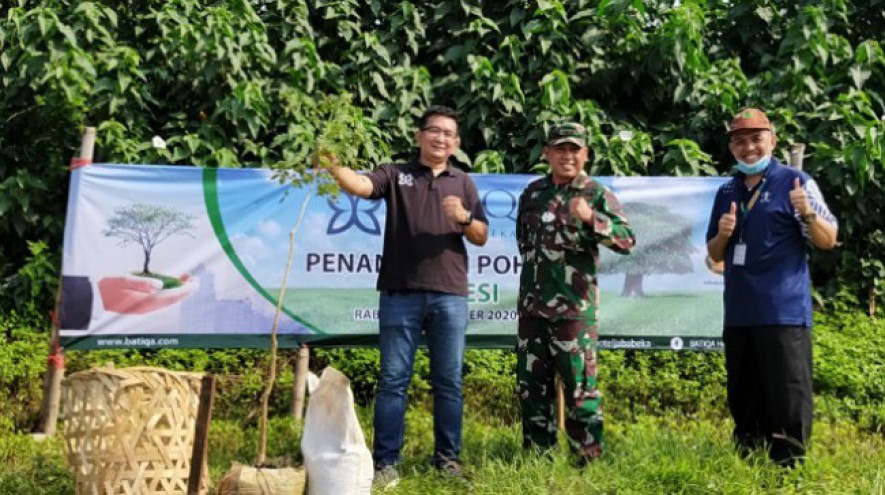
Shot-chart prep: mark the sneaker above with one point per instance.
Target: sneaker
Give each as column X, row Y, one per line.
column 386, row 477
column 452, row 469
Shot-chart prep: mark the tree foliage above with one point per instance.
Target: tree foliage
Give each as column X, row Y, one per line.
column 242, row 83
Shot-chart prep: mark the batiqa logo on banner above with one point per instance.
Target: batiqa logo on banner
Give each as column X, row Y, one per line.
column 500, row 203
column 351, row 215
column 359, row 213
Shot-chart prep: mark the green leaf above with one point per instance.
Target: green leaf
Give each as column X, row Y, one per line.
column 811, row 85
column 68, row 33
column 379, row 84
column 859, row 76
column 765, row 13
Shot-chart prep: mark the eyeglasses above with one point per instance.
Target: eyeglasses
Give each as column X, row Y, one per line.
column 436, row 131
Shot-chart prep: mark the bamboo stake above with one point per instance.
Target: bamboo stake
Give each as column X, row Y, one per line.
column 560, row 403
column 55, row 363
column 272, row 371
column 300, row 383
column 200, row 452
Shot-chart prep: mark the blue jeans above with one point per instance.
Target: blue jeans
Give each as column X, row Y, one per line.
column 402, row 317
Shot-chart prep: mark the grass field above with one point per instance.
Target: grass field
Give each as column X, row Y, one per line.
column 651, row 455
column 694, row 315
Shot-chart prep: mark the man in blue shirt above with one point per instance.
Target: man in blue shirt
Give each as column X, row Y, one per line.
column 761, row 223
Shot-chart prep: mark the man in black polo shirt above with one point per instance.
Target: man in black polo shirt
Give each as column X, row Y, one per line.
column 431, row 207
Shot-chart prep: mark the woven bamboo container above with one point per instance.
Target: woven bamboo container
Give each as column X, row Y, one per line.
column 131, row 431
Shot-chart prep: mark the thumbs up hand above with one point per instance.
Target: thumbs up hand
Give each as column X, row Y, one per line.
column 728, row 221
column 799, row 199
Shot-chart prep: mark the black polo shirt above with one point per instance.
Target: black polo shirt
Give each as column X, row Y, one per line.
column 423, row 250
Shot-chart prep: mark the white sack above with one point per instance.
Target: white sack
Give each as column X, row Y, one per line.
column 335, row 454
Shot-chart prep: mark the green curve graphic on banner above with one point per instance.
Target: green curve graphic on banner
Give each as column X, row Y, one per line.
column 210, row 195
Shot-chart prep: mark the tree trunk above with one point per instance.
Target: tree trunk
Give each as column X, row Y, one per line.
column 147, row 262
column 632, row 285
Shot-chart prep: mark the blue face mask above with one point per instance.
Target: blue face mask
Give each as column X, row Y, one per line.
column 756, row 168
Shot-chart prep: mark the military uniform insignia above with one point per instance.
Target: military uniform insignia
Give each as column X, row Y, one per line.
column 548, row 217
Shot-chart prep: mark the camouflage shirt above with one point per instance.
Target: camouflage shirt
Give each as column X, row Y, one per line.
column 560, row 252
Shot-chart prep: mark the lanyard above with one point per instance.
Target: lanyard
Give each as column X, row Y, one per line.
column 746, row 209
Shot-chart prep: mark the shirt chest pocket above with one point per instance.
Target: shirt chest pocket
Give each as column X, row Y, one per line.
column 550, row 227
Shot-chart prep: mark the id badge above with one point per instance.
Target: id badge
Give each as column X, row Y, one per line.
column 740, row 254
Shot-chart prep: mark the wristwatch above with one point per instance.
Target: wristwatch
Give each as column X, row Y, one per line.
column 468, row 221
column 809, row 218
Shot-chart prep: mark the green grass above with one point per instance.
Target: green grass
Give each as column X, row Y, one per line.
column 693, row 314
column 652, row 455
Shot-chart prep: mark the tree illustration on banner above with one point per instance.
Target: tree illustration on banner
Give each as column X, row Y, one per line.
column 146, row 226
column 663, row 247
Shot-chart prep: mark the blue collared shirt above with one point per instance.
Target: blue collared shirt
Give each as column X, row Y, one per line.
column 773, row 285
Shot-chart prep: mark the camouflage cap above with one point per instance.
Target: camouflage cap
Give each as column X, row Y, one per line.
column 568, row 132
column 749, row 118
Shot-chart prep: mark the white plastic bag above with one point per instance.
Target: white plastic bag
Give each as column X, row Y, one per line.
column 334, row 448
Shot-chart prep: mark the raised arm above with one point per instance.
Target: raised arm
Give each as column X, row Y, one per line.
column 350, row 181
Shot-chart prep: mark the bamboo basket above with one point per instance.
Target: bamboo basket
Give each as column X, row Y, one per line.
column 131, row 431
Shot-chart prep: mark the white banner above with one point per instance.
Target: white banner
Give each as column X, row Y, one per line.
column 162, row 256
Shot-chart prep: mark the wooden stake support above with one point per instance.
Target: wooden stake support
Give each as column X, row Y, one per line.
column 300, row 385
column 200, row 455
column 560, row 403
column 55, row 364
column 797, row 155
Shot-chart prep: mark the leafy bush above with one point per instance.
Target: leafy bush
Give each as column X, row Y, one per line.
column 32, row 288
column 23, row 354
column 691, row 384
column 849, row 376
column 490, row 385
column 33, row 468
column 362, row 366
column 849, row 373
column 240, row 374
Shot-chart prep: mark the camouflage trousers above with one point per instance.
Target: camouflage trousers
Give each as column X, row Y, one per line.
column 567, row 348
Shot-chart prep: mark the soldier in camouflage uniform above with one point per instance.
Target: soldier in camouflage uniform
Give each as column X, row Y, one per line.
column 562, row 220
